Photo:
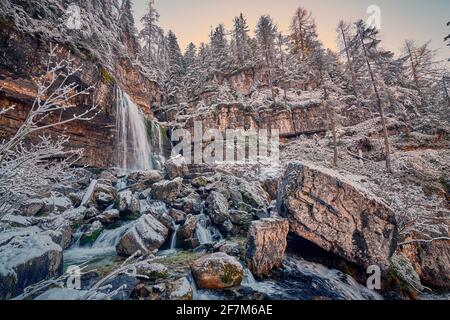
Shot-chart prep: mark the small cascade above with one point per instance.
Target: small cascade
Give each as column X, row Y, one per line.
column 202, row 231
column 173, row 241
column 133, row 143
column 158, row 141
column 104, row 246
column 249, row 279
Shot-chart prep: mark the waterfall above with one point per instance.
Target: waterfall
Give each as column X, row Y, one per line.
column 202, row 232
column 104, row 246
column 134, row 146
column 173, row 241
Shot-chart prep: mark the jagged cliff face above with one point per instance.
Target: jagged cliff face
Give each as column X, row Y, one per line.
column 308, row 118
column 106, row 49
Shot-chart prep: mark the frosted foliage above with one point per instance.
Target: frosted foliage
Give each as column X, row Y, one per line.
column 30, row 168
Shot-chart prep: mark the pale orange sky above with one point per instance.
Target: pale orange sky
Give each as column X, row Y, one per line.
column 191, row 20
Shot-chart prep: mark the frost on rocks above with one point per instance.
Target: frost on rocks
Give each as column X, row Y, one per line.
column 26, row 257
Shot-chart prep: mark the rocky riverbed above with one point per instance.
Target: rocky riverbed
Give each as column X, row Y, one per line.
column 173, row 234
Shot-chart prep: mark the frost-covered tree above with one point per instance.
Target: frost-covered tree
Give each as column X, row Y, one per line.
column 174, row 83
column 219, row 49
column 192, row 67
column 303, row 33
column 28, row 168
column 344, row 35
column 369, row 42
column 422, row 67
column 241, row 41
column 266, row 35
column 150, row 34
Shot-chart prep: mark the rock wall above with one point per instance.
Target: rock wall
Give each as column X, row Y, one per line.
column 105, row 49
column 307, row 118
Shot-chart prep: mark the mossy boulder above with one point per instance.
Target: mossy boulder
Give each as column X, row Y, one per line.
column 217, row 271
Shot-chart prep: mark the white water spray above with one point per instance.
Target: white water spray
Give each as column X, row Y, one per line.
column 133, row 144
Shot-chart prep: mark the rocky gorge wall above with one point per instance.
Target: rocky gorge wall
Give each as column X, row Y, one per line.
column 26, row 34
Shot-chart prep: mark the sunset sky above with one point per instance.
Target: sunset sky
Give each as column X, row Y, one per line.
column 420, row 20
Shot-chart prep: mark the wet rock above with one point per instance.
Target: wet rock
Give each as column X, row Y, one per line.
column 251, row 193
column 266, row 244
column 108, row 176
column 27, row 257
column 176, row 167
column 217, row 206
column 167, row 191
column 109, row 216
column 104, row 195
column 338, row 215
column 89, row 237
column 187, row 231
column 229, row 247
column 177, row 215
column 191, row 243
column 242, row 219
column 128, row 203
column 61, row 237
column 32, row 207
column 180, row 290
column 217, row 271
column 193, row 204
column 160, row 211
column 147, row 235
column 144, row 178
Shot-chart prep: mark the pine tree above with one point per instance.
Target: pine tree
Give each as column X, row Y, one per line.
column 150, row 34
column 192, row 69
column 369, row 42
column 344, row 31
column 174, row 83
column 219, row 49
column 303, row 32
column 241, row 41
column 266, row 34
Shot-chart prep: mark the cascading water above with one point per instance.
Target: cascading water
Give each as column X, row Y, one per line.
column 173, row 241
column 202, row 232
column 133, row 143
column 104, row 246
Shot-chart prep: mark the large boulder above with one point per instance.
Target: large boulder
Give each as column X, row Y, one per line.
column 147, row 235
column 338, row 215
column 167, row 190
column 141, row 180
column 217, row 206
column 127, row 203
column 431, row 261
column 217, row 271
column 176, row 167
column 266, row 244
column 27, row 256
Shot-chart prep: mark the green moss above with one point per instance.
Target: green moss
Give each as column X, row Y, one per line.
column 158, row 275
column 107, row 78
column 89, row 239
column 230, row 274
column 397, row 283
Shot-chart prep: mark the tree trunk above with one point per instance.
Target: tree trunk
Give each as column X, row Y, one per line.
column 446, row 91
column 380, row 106
column 350, row 63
